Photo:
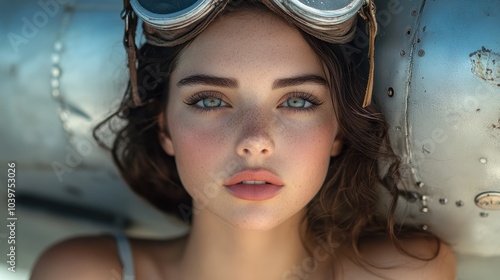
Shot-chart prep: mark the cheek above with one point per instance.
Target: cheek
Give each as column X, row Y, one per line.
column 312, row 139
column 197, row 147
column 310, row 148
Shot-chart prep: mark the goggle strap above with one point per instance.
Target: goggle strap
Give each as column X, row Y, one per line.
column 129, row 42
column 368, row 14
column 160, row 38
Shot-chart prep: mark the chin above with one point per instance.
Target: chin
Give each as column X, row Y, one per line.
column 254, row 219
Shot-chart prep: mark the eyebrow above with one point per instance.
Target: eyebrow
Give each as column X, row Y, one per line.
column 232, row 83
column 299, row 80
column 208, row 80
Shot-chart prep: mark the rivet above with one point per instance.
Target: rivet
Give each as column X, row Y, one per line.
column 54, row 83
column 483, row 160
column 425, row 227
column 459, row 203
column 421, row 53
column 424, row 197
column 56, row 71
column 483, row 214
column 443, row 201
column 408, row 31
column 398, row 128
column 420, row 184
column 390, row 92
column 424, row 209
column 58, row 46
column 402, row 53
column 413, row 12
column 56, row 58
column 56, row 93
column 64, row 116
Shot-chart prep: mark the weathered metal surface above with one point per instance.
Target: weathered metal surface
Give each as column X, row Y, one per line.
column 439, row 58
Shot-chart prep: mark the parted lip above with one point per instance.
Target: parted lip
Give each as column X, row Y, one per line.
column 254, row 175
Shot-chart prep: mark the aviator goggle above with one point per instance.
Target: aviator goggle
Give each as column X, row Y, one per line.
column 173, row 22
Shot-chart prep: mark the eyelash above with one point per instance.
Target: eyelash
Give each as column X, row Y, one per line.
column 192, row 100
column 315, row 102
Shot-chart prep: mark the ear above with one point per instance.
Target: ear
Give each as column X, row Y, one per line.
column 338, row 144
column 165, row 140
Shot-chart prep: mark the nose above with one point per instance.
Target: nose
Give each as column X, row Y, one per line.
column 255, row 138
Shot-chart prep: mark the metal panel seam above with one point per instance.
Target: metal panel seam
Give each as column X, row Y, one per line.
column 409, row 148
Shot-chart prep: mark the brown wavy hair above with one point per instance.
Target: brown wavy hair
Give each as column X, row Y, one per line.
column 344, row 210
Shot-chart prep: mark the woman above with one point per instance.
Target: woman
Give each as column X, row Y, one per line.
column 254, row 133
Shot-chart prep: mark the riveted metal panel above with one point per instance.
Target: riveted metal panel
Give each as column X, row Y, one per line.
column 447, row 103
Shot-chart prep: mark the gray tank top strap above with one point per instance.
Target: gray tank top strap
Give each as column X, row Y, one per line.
column 125, row 254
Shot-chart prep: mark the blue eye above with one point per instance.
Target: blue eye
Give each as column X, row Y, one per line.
column 297, row 102
column 210, row 103
column 206, row 101
column 300, row 101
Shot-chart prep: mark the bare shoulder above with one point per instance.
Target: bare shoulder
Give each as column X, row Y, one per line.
column 96, row 258
column 429, row 259
column 80, row 258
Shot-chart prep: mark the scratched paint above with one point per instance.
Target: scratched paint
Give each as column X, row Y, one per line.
column 495, row 126
column 486, row 65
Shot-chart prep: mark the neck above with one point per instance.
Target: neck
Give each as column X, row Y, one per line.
column 217, row 250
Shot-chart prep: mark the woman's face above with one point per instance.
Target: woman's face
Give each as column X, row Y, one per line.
column 249, row 93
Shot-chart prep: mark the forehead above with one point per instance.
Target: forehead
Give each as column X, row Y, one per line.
column 249, row 41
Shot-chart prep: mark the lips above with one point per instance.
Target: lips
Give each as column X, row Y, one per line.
column 254, row 185
column 259, row 176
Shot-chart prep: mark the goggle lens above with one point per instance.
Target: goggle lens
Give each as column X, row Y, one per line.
column 326, row 5
column 166, row 7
